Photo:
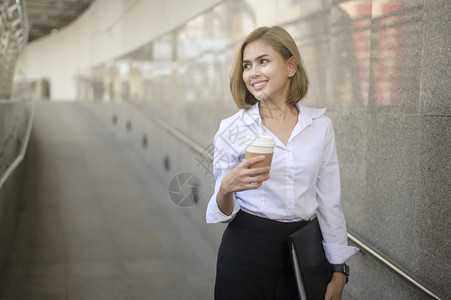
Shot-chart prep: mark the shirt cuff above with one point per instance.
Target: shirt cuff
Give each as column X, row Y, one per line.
column 215, row 215
column 338, row 254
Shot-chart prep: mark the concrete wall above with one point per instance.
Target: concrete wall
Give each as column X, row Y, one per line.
column 382, row 69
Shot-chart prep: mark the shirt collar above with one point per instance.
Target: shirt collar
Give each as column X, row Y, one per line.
column 305, row 117
column 251, row 115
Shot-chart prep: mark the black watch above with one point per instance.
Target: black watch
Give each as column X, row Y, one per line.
column 342, row 269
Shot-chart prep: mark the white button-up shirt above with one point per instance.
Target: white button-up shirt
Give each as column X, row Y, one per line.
column 304, row 176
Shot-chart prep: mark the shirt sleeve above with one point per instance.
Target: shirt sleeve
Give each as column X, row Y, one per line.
column 330, row 212
column 223, row 162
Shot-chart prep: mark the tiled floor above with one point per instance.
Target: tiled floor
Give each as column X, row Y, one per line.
column 93, row 223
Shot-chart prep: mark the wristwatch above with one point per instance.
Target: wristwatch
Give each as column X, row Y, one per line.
column 343, row 268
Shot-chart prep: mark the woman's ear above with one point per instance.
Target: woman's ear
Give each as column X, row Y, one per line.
column 292, row 66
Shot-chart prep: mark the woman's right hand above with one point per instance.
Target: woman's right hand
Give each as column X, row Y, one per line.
column 242, row 177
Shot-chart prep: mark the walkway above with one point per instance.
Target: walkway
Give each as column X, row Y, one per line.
column 95, row 222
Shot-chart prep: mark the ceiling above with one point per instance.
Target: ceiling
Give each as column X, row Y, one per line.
column 47, row 16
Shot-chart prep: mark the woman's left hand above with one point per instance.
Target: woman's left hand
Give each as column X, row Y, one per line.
column 335, row 286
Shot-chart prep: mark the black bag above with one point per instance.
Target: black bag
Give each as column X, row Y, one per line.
column 311, row 268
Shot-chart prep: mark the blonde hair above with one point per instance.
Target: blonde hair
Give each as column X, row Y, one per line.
column 282, row 42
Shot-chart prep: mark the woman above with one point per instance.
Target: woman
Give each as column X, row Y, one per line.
column 267, row 82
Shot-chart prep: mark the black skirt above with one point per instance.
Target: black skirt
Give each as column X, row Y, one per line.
column 254, row 261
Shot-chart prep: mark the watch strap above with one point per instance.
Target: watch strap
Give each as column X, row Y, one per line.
column 343, row 268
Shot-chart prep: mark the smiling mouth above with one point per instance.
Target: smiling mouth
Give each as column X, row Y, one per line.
column 259, row 84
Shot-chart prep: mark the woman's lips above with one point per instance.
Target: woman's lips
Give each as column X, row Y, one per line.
column 259, row 85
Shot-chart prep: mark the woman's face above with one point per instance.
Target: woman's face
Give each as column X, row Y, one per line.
column 265, row 73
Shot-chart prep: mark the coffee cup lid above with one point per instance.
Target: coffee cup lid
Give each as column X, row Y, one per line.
column 261, row 141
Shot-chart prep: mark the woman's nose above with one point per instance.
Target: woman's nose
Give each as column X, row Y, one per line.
column 255, row 71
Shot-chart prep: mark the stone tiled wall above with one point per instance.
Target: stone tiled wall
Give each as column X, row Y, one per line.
column 382, row 70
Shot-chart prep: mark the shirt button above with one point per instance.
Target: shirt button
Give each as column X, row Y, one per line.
column 290, row 176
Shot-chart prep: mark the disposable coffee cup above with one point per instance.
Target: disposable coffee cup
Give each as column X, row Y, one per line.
column 260, row 145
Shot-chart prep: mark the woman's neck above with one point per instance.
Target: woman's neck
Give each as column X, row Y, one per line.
column 277, row 111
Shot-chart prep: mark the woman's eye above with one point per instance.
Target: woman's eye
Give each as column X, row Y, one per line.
column 246, row 66
column 263, row 61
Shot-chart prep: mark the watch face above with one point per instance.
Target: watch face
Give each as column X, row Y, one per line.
column 346, row 269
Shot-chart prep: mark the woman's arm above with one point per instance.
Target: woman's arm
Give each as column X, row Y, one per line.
column 335, row 287
column 330, row 214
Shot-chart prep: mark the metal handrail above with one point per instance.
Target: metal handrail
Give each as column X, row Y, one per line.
column 13, row 166
column 193, row 145
column 172, row 130
column 390, row 265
